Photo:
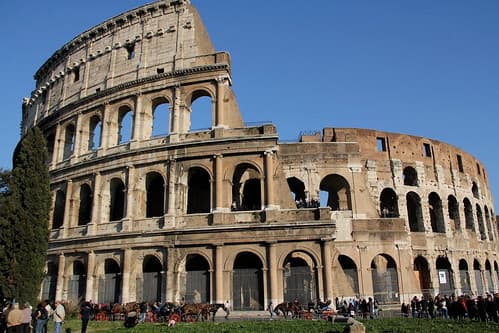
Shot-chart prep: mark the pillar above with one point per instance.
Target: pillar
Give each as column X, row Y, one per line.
column 127, row 264
column 171, row 187
column 218, row 161
column 170, row 276
column 130, row 199
column 67, row 208
column 89, row 293
column 219, row 277
column 60, row 277
column 55, row 152
column 269, row 180
column 219, row 113
column 96, row 204
column 273, row 273
column 328, row 268
column 138, row 120
column 105, row 128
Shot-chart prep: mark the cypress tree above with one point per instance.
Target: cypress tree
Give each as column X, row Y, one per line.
column 25, row 219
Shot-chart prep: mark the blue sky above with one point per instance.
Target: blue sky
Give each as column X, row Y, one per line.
column 426, row 67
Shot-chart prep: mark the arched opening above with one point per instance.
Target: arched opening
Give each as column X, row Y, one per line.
column 338, row 192
column 50, row 147
column 488, row 276
column 110, row 283
column 410, row 176
column 95, row 133
column 59, row 208
column 49, row 283
column 453, row 208
column 478, row 277
column 414, row 212
column 149, row 285
column 69, row 141
column 297, row 187
column 422, row 271
column 445, row 277
column 474, row 191
column 385, row 279
column 77, row 283
column 117, row 202
column 468, row 215
column 481, row 225
column 488, row 222
column 155, row 188
column 201, row 111
column 436, row 213
column 199, row 191
column 161, row 118
column 246, row 188
column 197, row 279
column 247, row 282
column 299, row 282
column 388, row 203
column 347, row 281
column 85, row 209
column 125, row 125
column 464, row 275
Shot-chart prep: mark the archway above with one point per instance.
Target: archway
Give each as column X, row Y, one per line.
column 297, row 187
column 199, row 191
column 59, row 208
column 488, row 276
column 422, row 271
column 149, row 285
column 453, row 208
column 85, row 209
column 436, row 213
column 161, row 118
column 347, row 277
column 445, row 277
column 155, row 187
column 477, row 270
column 110, row 282
column 201, row 114
column 481, row 225
column 49, row 283
column 388, row 203
column 468, row 215
column 385, row 279
column 117, row 200
column 299, row 282
column 414, row 212
column 69, row 141
column 464, row 275
column 247, row 282
column 246, row 188
column 197, row 280
column 125, row 125
column 94, row 133
column 77, row 283
column 410, row 176
column 338, row 192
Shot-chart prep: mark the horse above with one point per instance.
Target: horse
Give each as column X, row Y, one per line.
column 286, row 308
column 191, row 312
column 212, row 309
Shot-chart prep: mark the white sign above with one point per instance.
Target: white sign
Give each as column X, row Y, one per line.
column 442, row 277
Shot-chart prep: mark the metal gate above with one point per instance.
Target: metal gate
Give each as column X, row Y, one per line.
column 465, row 282
column 76, row 288
column 149, row 287
column 488, row 276
column 299, row 283
column 445, row 284
column 353, row 278
column 479, row 282
column 385, row 285
column 49, row 286
column 247, row 291
column 109, row 288
column 197, row 286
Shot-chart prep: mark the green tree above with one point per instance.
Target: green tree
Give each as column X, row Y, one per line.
column 24, row 220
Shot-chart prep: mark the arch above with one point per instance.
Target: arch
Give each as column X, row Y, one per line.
column 388, row 203
column 414, row 212
column 110, row 282
column 464, row 275
column 197, row 279
column 198, row 191
column 49, row 283
column 161, row 122
column 246, row 188
column 338, row 192
column 348, row 278
column 125, row 124
column 445, row 276
column 299, row 280
column 453, row 209
column 247, row 282
column 149, row 284
column 422, row 271
column 481, row 225
column 201, row 110
column 117, row 200
column 475, row 191
column 488, row 223
column 77, row 282
column 488, row 276
column 59, row 209
column 477, row 270
column 385, row 279
column 69, row 141
column 85, row 208
column 468, row 215
column 410, row 176
column 50, row 139
column 436, row 213
column 95, row 133
column 297, row 187
column 155, row 195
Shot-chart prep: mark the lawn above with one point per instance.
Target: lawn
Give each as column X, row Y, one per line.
column 385, row 325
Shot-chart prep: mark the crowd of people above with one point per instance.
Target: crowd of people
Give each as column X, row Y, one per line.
column 481, row 308
column 15, row 318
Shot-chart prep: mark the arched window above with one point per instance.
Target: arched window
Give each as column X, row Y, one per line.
column 481, row 225
column 199, row 191
column 414, row 212
column 125, row 125
column 94, row 133
column 50, row 147
column 161, row 118
column 246, row 188
column 453, row 208
column 388, row 203
column 436, row 213
column 468, row 215
column 201, row 111
column 117, row 200
column 474, row 190
column 338, row 193
column 155, row 186
column 410, row 176
column 85, row 209
column 59, row 207
column 49, row 283
column 69, row 140
column 297, row 187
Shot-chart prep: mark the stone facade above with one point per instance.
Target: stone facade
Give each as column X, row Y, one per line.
column 229, row 212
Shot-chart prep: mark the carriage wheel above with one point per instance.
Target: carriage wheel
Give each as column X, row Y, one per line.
column 175, row 317
column 191, row 318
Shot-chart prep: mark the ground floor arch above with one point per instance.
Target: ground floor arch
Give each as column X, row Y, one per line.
column 464, row 276
column 299, row 278
column 247, row 282
column 423, row 276
column 110, row 283
column 197, row 279
column 445, row 276
column 77, row 282
column 346, row 277
column 149, row 283
column 385, row 279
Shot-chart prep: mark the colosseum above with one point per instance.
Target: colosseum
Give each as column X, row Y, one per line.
column 146, row 208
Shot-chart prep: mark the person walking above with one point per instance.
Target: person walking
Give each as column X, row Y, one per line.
column 59, row 315
column 270, row 309
column 85, row 316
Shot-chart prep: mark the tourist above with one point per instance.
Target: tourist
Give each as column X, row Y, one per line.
column 59, row 315
column 85, row 312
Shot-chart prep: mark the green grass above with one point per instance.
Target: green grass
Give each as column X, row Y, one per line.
column 385, row 325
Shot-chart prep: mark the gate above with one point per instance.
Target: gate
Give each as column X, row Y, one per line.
column 247, row 289
column 385, row 285
column 197, row 286
column 76, row 288
column 299, row 283
column 109, row 288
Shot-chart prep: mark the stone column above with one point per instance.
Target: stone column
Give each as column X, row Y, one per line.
column 218, row 161
column 219, row 271
column 60, row 277
column 67, row 208
column 219, row 113
column 89, row 293
column 175, row 114
column 96, row 205
column 170, row 275
column 55, row 152
column 105, row 128
column 127, row 264
column 273, row 273
column 171, row 188
column 130, row 200
column 138, row 117
column 79, row 136
column 328, row 268
column 269, row 180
